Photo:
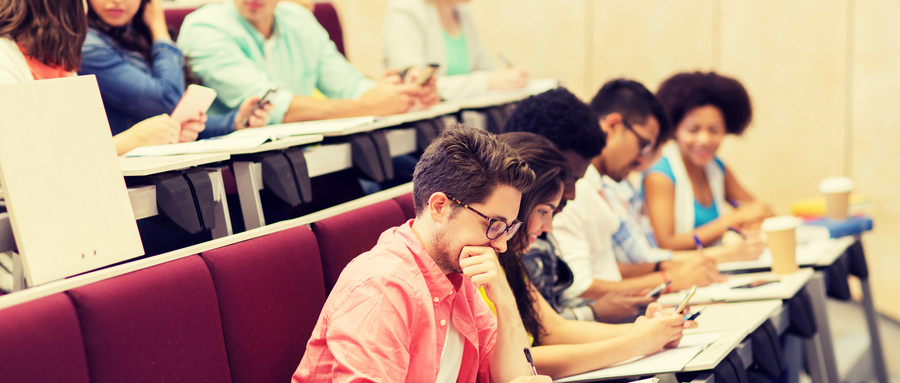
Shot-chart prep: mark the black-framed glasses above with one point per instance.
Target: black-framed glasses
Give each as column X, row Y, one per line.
column 496, row 227
column 645, row 145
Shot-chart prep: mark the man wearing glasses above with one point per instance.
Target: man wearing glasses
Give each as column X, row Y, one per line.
column 409, row 309
column 634, row 123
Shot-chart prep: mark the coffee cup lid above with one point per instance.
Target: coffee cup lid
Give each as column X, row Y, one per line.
column 836, row 185
column 784, row 222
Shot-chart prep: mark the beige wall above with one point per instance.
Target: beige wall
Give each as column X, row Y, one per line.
column 823, row 76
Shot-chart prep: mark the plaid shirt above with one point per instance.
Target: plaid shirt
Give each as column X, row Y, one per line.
column 634, row 241
column 550, row 275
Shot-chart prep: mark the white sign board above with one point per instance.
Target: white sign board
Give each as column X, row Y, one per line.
column 65, row 192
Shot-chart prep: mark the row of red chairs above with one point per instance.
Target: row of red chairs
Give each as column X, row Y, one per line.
column 239, row 313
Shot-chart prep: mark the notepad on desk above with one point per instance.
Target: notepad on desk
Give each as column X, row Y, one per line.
column 278, row 131
column 211, row 145
column 669, row 360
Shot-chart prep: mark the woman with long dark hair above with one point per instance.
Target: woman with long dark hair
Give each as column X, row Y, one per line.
column 139, row 69
column 41, row 39
column 566, row 347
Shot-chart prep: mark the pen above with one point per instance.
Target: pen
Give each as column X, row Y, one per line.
column 530, row 361
column 504, row 61
column 694, row 315
column 699, row 244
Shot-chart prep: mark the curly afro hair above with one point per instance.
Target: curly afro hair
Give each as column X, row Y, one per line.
column 685, row 91
column 562, row 118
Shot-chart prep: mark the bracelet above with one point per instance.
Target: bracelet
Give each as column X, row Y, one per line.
column 665, row 278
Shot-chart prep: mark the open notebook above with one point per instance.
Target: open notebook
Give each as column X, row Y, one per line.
column 665, row 361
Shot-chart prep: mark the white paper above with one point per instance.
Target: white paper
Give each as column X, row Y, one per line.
column 670, row 360
column 719, row 292
column 210, row 145
column 303, row 128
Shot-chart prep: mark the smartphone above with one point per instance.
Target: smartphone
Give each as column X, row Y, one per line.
column 686, row 299
column 658, row 289
column 259, row 104
column 430, row 71
column 761, row 282
column 195, row 99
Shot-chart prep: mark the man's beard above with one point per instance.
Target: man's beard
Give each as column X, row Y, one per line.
column 442, row 256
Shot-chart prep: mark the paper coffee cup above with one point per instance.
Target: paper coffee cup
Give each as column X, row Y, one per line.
column 782, row 240
column 837, row 196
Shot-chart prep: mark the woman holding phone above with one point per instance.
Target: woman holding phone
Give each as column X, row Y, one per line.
column 566, row 347
column 56, row 52
column 420, row 32
column 141, row 72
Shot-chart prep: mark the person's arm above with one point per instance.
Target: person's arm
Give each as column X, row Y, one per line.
column 369, row 334
column 559, row 330
column 645, row 336
column 126, row 88
column 660, row 196
column 481, row 266
column 157, row 130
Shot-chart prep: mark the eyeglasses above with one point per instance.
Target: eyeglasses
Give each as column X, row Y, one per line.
column 496, row 227
column 645, row 145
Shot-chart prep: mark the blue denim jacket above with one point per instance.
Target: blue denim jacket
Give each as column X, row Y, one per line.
column 134, row 90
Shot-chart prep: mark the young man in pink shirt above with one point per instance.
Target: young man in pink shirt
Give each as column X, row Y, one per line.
column 409, row 310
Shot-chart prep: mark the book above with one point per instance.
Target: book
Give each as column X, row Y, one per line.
column 850, row 226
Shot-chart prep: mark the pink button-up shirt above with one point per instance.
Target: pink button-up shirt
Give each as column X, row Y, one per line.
column 386, row 319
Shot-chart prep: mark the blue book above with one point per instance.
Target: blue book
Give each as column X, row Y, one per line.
column 850, row 226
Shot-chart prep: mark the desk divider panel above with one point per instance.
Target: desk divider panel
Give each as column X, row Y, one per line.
column 40, row 341
column 270, row 292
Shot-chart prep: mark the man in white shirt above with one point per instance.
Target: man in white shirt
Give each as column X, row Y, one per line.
column 634, row 123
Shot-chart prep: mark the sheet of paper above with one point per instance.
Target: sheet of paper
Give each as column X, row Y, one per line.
column 302, row 128
column 787, row 286
column 670, row 360
column 210, row 145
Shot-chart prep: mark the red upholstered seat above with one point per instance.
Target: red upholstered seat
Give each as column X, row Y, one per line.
column 270, row 293
column 328, row 17
column 406, row 204
column 343, row 237
column 174, row 18
column 40, row 341
column 159, row 324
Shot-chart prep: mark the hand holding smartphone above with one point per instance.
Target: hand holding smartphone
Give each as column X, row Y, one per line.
column 259, row 104
column 658, row 289
column 195, row 100
column 686, row 299
column 430, row 71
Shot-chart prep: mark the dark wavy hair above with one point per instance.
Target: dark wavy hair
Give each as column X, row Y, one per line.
column 634, row 102
column 133, row 37
column 560, row 116
column 685, row 91
column 550, row 170
column 468, row 164
column 51, row 32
